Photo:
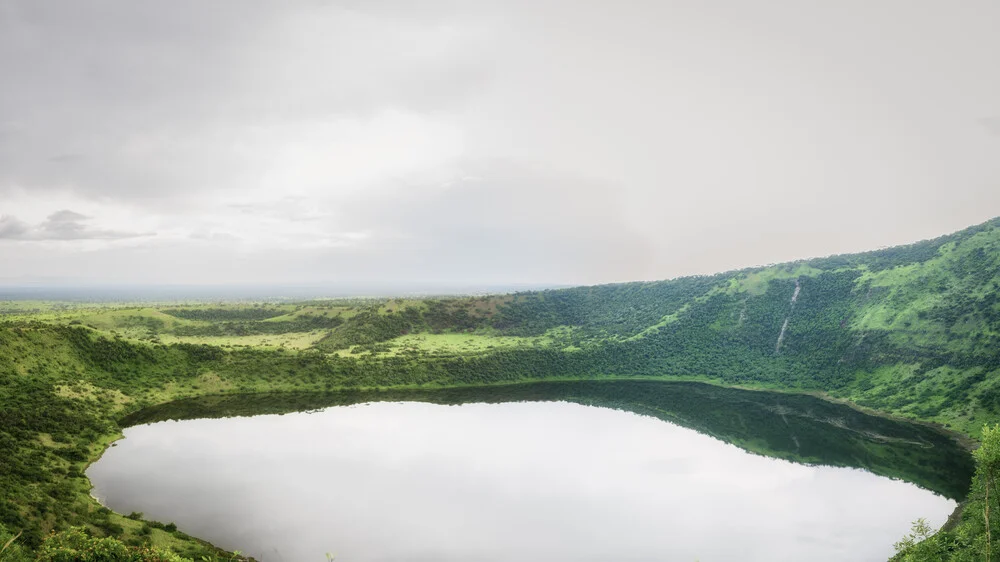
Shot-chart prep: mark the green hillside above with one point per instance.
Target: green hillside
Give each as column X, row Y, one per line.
column 912, row 330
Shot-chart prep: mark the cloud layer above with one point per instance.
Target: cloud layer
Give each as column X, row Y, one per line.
column 482, row 141
column 61, row 225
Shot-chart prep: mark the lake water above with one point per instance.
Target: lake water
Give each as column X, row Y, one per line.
column 548, row 473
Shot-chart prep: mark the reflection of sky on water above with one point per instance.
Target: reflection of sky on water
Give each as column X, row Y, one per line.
column 516, row 481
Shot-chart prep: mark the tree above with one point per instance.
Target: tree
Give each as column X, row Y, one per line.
column 915, row 545
column 985, row 484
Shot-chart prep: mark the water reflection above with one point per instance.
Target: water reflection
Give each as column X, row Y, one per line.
column 788, row 426
column 511, row 475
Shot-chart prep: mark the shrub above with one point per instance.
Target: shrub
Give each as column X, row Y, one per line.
column 75, row 545
column 10, row 548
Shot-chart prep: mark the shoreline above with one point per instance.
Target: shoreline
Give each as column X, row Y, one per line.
column 966, row 442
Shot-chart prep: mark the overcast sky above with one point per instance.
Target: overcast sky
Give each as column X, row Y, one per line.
column 482, row 142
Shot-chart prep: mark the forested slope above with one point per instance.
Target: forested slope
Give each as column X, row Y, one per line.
column 913, row 329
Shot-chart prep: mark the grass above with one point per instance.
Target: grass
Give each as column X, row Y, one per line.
column 291, row 340
column 449, row 344
column 756, row 283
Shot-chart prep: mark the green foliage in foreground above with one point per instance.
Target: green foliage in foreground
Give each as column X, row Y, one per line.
column 10, row 548
column 61, row 391
column 75, row 545
column 976, row 536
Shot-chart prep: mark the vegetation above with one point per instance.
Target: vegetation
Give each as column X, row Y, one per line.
column 303, row 323
column 75, row 545
column 975, row 536
column 226, row 314
column 912, row 331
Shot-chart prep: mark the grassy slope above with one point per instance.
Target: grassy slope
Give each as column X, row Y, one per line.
column 60, row 394
column 913, row 330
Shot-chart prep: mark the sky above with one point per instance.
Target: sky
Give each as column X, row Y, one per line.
column 484, row 142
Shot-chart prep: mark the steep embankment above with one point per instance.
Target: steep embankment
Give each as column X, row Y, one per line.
column 913, row 330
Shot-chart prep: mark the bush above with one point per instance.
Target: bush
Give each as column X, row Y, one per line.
column 10, row 548
column 75, row 545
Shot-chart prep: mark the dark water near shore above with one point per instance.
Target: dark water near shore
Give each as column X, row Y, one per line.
column 535, row 472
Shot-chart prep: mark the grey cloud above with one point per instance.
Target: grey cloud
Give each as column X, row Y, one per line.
column 63, row 158
column 992, row 125
column 501, row 221
column 214, row 236
column 601, row 141
column 498, row 222
column 11, row 227
column 65, row 217
column 61, row 225
column 156, row 98
column 292, row 209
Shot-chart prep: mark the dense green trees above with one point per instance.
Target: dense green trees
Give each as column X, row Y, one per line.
column 238, row 313
column 301, row 323
column 622, row 310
